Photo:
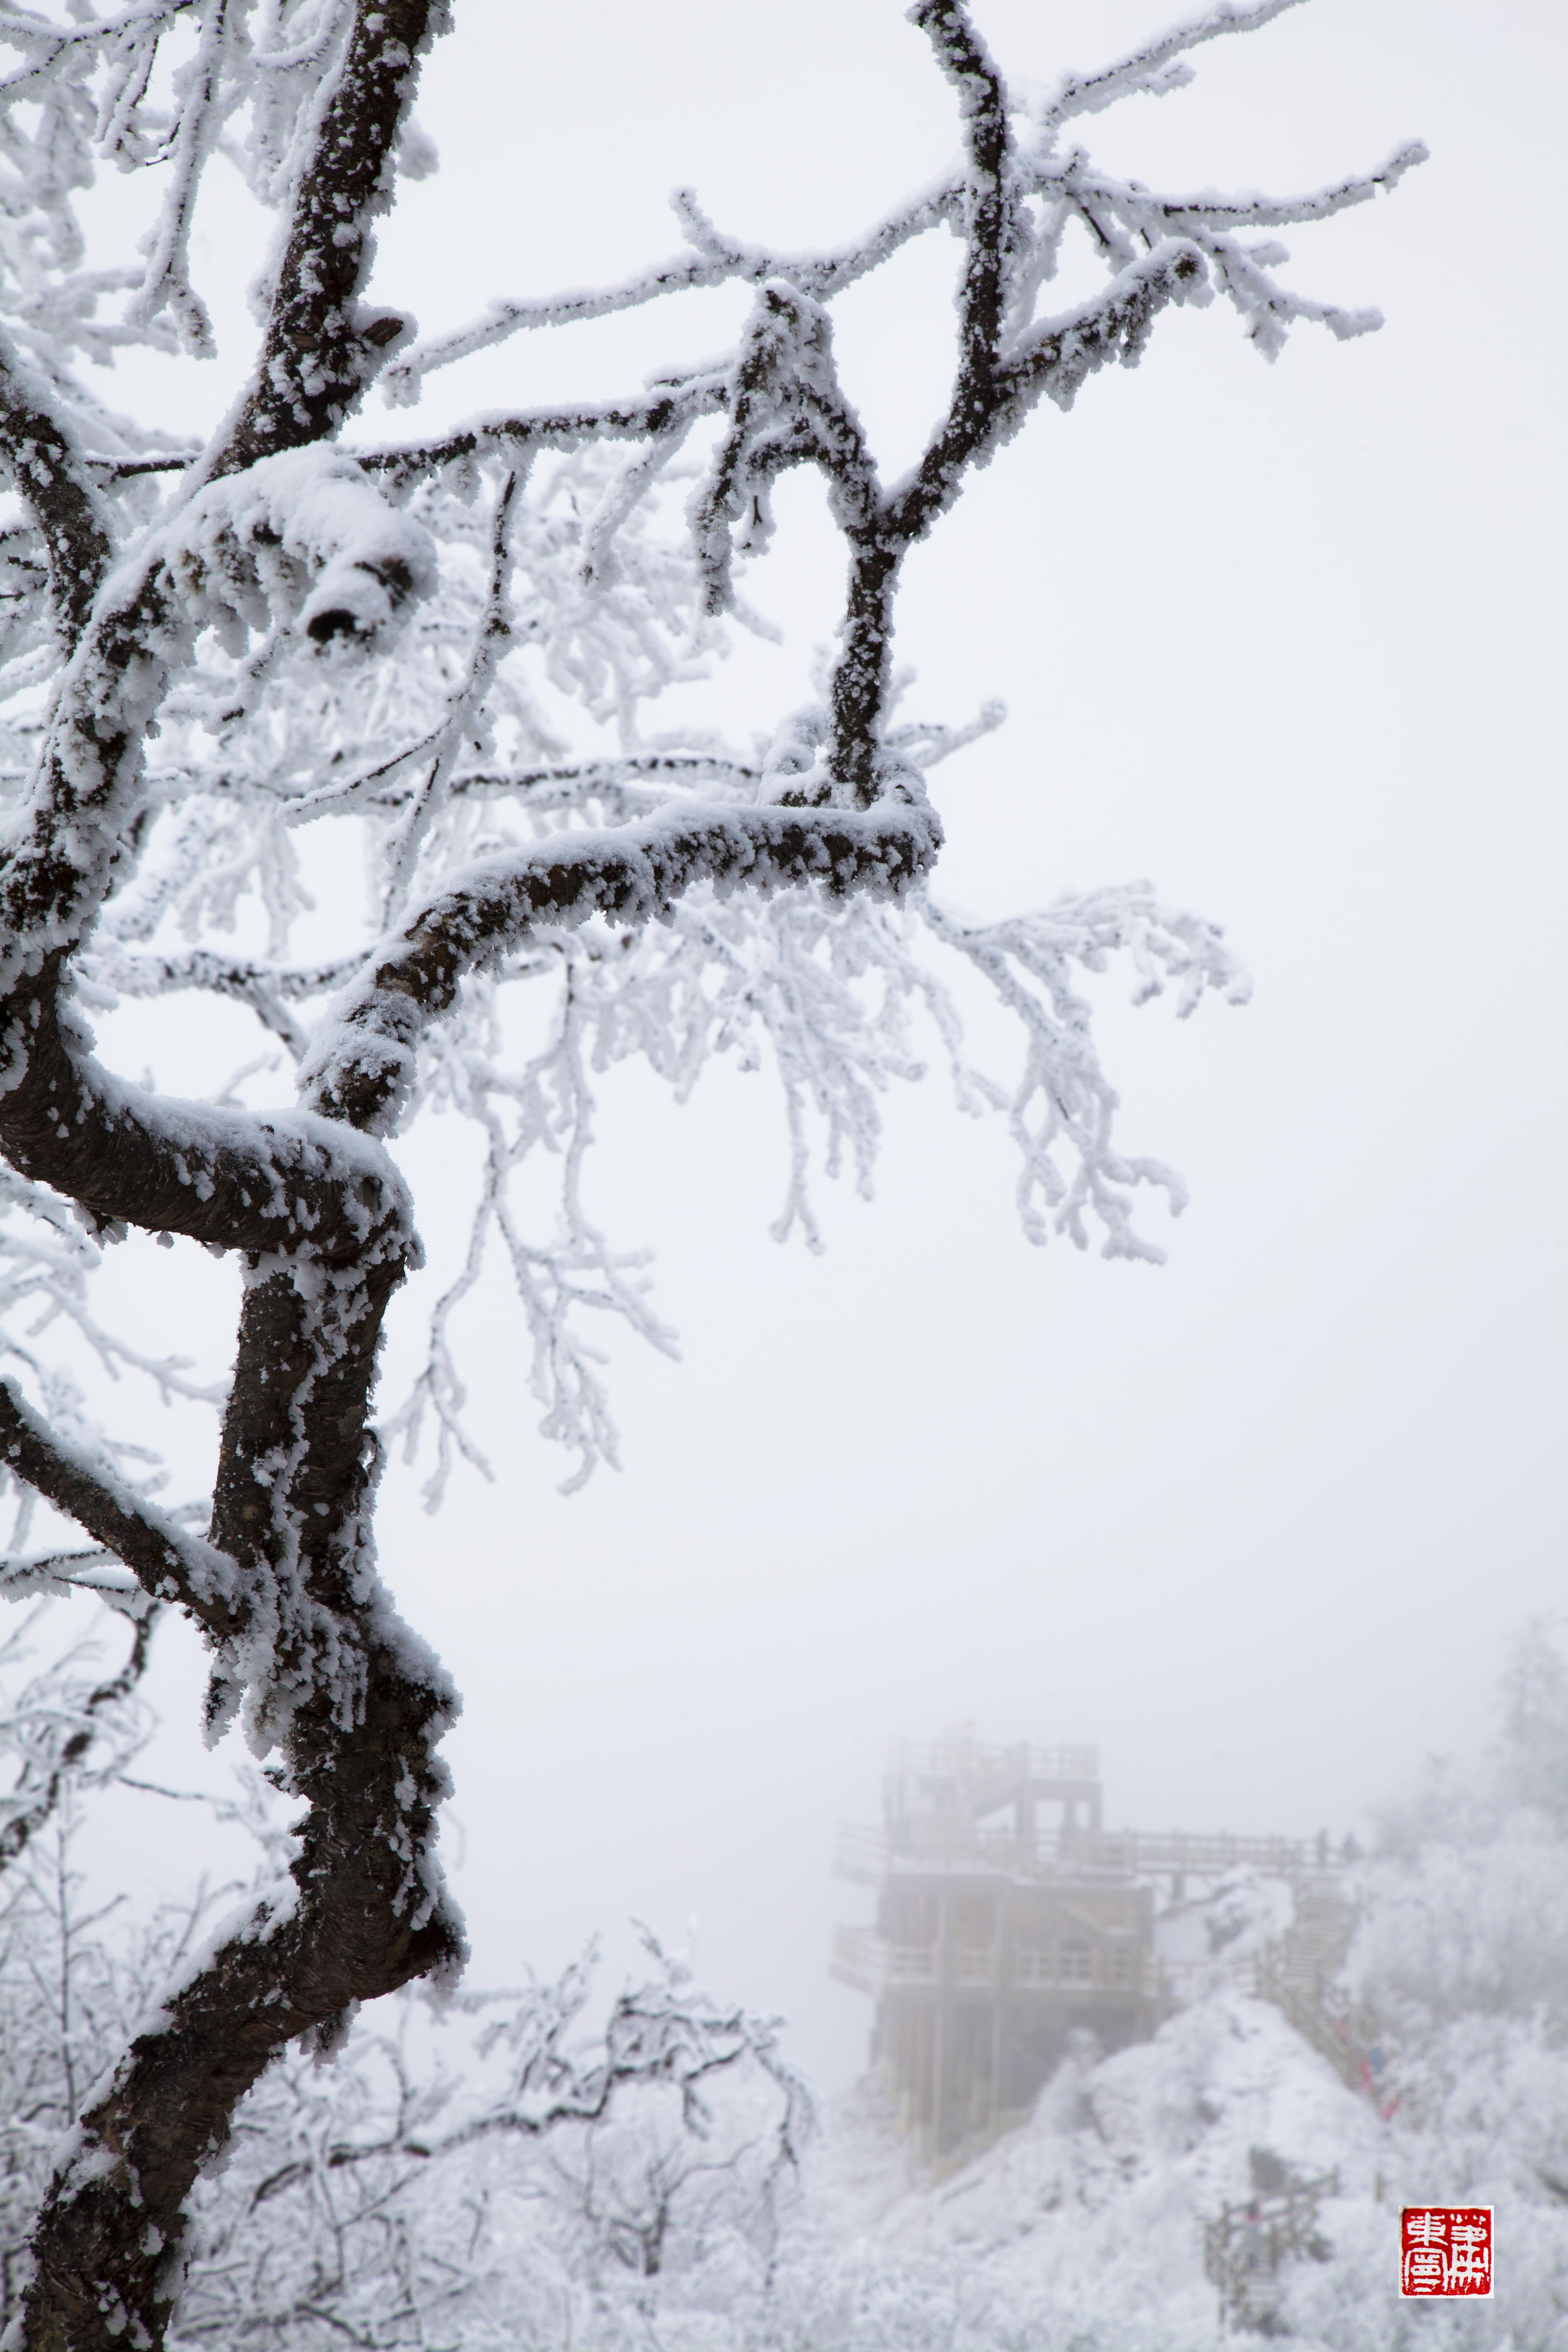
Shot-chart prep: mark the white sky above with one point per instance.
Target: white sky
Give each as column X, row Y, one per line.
column 1260, row 1522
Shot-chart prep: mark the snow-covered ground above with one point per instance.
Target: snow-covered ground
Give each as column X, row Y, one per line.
column 1086, row 2226
column 473, row 2180
column 1083, row 2232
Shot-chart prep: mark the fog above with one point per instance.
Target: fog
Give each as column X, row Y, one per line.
column 1258, row 1522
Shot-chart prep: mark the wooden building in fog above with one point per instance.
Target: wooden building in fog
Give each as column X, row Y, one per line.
column 1001, row 1927
column 1008, row 1918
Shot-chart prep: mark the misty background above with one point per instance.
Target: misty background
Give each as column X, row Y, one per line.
column 1260, row 1522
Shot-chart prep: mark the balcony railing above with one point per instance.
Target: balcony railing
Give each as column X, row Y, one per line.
column 866, row 1960
column 959, row 1758
column 866, row 1856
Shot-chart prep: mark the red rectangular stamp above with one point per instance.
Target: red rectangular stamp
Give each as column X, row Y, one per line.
column 1446, row 2250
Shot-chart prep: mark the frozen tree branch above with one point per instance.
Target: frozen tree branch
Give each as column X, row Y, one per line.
column 47, row 467
column 321, row 348
column 630, row 876
column 53, row 1729
column 1155, row 67
column 168, row 1562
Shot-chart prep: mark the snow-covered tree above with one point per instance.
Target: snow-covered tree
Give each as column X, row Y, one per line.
column 531, row 2181
column 69, row 1987
column 497, row 2163
column 446, row 649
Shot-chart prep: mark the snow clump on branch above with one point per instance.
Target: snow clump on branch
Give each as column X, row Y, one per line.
column 301, row 538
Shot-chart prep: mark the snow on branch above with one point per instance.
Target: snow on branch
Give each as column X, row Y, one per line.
column 168, row 1561
column 576, row 1272
column 785, row 408
column 266, row 989
column 834, row 996
column 991, row 189
column 1152, row 68
column 50, row 48
column 660, row 417
column 39, row 448
column 1062, row 1101
column 47, row 1259
column 363, row 1065
column 324, row 346
column 58, row 1733
column 205, row 90
column 594, row 2156
column 303, row 538
column 663, row 2031
column 717, row 261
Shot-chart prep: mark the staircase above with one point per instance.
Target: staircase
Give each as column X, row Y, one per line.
column 1299, row 1971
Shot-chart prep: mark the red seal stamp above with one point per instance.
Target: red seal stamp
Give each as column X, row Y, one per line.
column 1446, row 2250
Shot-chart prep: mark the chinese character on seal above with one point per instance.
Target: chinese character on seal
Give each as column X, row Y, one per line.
column 1446, row 2250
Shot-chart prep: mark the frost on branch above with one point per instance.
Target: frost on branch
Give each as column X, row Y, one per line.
column 653, row 2149
column 841, row 997
column 303, row 538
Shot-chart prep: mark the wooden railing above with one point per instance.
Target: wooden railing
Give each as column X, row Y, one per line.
column 1246, row 2247
column 866, row 1960
column 865, row 1855
column 960, row 1759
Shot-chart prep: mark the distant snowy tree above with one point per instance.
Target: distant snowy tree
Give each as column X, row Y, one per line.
column 446, row 647
column 70, row 1987
column 557, row 2185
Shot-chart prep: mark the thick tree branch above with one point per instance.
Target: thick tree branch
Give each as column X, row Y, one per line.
column 360, row 1915
column 231, row 1180
column 51, row 476
column 320, row 350
column 362, row 1071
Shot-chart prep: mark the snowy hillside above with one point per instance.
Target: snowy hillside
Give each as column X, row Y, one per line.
column 502, row 2176
column 1083, row 2233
